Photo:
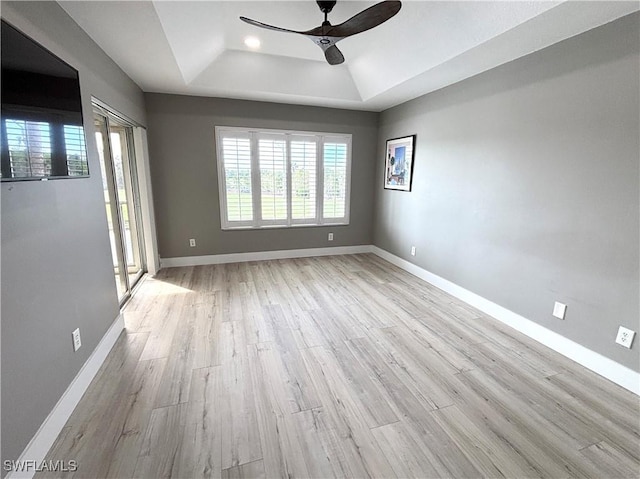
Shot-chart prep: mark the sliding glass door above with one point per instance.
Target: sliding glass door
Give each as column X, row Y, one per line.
column 114, row 137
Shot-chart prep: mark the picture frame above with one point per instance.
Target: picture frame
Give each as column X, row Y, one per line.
column 398, row 163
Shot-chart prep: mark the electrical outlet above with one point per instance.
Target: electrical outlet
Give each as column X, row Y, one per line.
column 76, row 339
column 413, row 251
column 192, row 242
column 625, row 337
column 559, row 310
column 330, row 236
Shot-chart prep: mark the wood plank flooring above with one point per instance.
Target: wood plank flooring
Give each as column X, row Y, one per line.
column 342, row 366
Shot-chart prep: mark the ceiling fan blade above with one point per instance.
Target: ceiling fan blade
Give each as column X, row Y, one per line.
column 333, row 55
column 256, row 23
column 363, row 21
column 327, row 35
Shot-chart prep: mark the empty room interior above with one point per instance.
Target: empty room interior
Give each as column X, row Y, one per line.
column 409, row 247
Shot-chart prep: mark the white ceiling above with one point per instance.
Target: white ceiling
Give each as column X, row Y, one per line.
column 197, row 47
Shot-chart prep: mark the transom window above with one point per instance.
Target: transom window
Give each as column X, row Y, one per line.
column 282, row 178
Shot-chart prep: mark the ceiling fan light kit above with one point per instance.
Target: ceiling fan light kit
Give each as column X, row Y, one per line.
column 326, row 35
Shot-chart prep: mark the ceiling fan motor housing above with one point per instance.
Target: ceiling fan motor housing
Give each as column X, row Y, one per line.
column 326, row 7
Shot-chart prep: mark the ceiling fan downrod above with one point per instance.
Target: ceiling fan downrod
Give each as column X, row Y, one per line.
column 326, row 7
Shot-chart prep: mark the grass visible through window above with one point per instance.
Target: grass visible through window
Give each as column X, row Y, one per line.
column 242, row 201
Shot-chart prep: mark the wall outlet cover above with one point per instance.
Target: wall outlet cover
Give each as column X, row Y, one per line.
column 330, row 236
column 192, row 242
column 77, row 342
column 625, row 337
column 413, row 251
column 559, row 310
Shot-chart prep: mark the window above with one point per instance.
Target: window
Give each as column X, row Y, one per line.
column 282, row 178
column 335, row 178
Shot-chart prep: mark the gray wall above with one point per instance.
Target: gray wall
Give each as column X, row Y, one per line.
column 56, row 260
column 185, row 179
column 526, row 186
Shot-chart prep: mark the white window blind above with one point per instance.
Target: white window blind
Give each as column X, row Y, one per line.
column 41, row 149
column 335, row 179
column 282, row 178
column 303, row 179
column 273, row 178
column 29, row 145
column 76, row 151
column 236, row 158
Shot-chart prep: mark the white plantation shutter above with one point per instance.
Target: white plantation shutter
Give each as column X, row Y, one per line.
column 303, row 178
column 76, row 152
column 272, row 153
column 236, row 161
column 282, row 178
column 335, row 179
column 29, row 145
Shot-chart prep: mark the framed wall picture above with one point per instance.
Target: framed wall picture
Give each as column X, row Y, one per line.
column 398, row 165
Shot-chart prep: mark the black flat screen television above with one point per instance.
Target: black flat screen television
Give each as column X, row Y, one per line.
column 42, row 127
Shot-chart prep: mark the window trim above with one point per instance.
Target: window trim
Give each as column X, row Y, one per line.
column 254, row 134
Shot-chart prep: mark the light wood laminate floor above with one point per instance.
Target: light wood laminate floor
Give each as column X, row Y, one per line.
column 342, row 366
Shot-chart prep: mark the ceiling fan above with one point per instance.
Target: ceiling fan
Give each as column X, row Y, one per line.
column 326, row 35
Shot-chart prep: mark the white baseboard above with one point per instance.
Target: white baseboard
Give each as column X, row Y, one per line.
column 616, row 372
column 261, row 256
column 40, row 444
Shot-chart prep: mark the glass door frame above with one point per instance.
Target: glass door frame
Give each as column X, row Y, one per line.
column 113, row 119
